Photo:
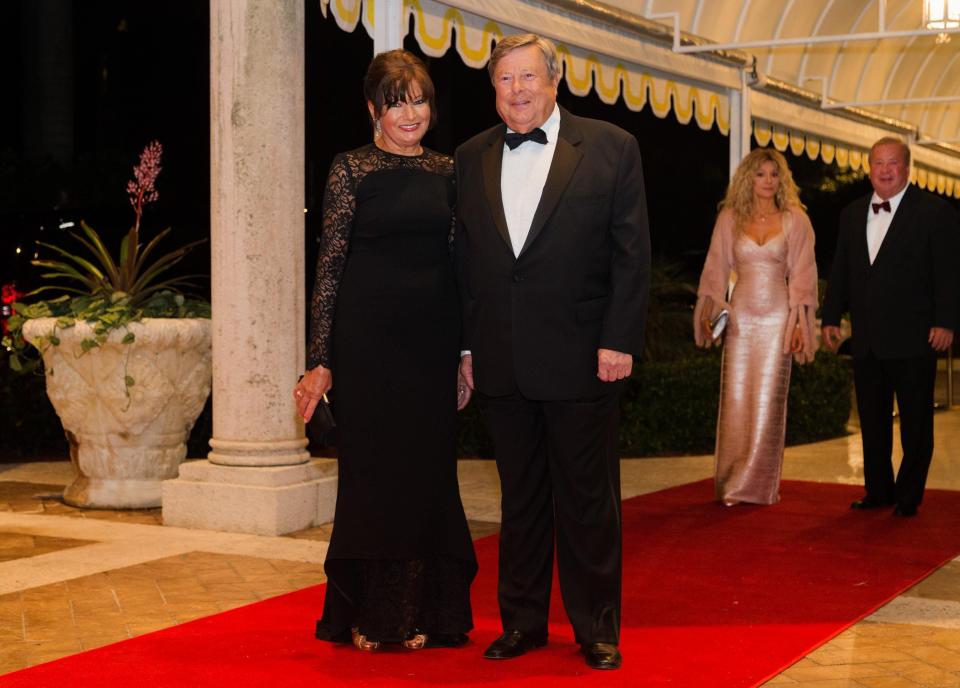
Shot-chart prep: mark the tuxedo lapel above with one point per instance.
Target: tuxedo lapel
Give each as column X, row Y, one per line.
column 899, row 224
column 566, row 158
column 860, row 233
column 491, row 160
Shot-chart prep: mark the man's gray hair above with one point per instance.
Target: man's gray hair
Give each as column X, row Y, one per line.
column 521, row 40
column 892, row 140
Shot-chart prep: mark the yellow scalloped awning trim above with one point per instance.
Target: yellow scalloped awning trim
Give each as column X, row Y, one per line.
column 845, row 156
column 435, row 24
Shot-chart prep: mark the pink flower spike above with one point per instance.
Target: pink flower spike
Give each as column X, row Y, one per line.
column 141, row 189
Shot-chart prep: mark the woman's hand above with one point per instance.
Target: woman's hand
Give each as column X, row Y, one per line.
column 796, row 341
column 464, row 391
column 707, row 333
column 310, row 390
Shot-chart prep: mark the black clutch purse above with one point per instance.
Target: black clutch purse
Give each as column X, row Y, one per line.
column 322, row 427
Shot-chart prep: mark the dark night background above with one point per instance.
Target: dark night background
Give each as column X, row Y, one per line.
column 88, row 84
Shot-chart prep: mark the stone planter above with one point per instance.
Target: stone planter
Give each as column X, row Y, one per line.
column 124, row 445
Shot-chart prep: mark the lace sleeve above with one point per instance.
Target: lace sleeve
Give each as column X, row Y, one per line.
column 339, row 205
column 452, row 199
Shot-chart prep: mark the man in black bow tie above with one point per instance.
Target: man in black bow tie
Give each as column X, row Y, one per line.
column 553, row 254
column 893, row 270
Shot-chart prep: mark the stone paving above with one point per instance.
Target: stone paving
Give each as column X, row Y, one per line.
column 74, row 579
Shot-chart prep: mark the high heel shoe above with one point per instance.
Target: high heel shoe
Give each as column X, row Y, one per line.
column 417, row 641
column 361, row 642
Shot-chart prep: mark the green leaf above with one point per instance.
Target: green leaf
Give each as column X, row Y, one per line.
column 162, row 264
column 55, row 340
column 58, row 287
column 100, row 251
column 15, row 364
column 91, row 269
column 128, row 338
column 152, row 244
column 124, row 250
column 35, row 310
column 129, row 248
column 128, row 381
column 88, row 344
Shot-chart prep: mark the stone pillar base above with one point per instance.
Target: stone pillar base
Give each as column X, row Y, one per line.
column 269, row 500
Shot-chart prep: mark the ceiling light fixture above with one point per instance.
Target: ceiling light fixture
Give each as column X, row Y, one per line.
column 941, row 14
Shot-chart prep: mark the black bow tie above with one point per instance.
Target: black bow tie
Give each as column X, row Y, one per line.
column 513, row 139
column 877, row 207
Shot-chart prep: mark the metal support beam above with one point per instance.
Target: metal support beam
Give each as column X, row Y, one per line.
column 834, row 105
column 388, row 28
column 882, row 33
column 741, row 122
column 827, row 104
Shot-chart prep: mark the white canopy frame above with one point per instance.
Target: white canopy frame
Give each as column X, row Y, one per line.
column 620, row 54
column 881, row 33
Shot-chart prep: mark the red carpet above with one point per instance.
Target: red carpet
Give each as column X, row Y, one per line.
column 712, row 597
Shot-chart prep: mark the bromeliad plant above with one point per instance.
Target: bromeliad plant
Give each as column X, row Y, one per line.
column 111, row 293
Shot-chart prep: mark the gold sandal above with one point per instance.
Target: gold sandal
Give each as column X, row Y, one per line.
column 362, row 643
column 417, row 641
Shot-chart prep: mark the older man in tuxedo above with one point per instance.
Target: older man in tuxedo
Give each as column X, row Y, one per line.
column 894, row 271
column 554, row 260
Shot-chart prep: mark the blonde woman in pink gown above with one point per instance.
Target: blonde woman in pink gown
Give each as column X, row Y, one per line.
column 763, row 245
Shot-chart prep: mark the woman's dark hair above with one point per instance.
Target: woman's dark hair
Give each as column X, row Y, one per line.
column 391, row 77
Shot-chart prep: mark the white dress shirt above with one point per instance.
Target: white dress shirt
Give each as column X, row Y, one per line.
column 522, row 177
column 879, row 223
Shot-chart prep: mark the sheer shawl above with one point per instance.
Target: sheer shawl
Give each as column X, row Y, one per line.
column 801, row 280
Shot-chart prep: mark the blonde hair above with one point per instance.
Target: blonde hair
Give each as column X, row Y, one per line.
column 521, row 40
column 739, row 196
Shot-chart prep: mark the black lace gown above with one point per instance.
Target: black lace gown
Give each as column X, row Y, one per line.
column 385, row 320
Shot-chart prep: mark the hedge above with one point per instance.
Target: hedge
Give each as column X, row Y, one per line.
column 29, row 427
column 667, row 408
column 671, row 407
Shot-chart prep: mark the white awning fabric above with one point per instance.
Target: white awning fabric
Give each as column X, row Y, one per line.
column 617, row 64
column 658, row 83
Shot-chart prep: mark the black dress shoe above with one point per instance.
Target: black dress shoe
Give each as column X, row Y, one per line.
column 904, row 511
column 446, row 640
column 869, row 502
column 514, row 643
column 601, row 655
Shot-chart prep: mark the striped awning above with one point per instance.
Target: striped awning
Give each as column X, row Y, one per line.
column 439, row 26
column 617, row 64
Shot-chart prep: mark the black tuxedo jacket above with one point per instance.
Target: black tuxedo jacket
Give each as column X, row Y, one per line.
column 912, row 284
column 581, row 282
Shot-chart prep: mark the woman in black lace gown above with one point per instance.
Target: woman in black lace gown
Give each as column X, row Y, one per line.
column 385, row 334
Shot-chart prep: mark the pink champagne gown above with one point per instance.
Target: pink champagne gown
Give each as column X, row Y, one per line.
column 755, row 376
column 775, row 293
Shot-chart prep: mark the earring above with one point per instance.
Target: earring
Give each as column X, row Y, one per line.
column 377, row 129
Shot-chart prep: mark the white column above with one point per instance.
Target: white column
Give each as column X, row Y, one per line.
column 741, row 122
column 388, row 25
column 258, row 476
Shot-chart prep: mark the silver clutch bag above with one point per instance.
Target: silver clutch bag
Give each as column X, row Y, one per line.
column 719, row 323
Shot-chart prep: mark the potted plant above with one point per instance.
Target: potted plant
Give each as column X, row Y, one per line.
column 125, row 353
